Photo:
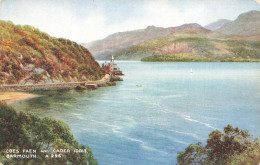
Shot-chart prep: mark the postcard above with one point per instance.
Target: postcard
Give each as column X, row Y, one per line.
column 125, row 82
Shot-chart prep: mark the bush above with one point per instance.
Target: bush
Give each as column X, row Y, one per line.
column 234, row 146
column 26, row 131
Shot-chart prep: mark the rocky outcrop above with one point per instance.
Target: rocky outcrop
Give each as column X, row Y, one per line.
column 116, row 78
column 175, row 48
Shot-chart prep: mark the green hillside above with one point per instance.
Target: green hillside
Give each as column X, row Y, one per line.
column 29, row 56
column 196, row 47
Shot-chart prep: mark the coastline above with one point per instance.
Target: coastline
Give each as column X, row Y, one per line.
column 54, row 86
column 12, row 97
column 15, row 93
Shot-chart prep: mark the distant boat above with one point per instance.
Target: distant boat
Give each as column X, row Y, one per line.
column 191, row 70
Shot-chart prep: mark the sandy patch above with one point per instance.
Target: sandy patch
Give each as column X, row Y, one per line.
column 11, row 97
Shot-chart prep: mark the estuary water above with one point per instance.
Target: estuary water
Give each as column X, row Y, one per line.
column 158, row 110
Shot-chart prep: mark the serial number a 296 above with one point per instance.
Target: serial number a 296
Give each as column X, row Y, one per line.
column 55, row 155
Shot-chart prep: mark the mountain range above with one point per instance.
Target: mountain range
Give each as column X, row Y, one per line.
column 223, row 40
column 102, row 49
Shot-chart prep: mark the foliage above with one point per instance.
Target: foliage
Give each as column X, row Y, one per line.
column 22, row 46
column 193, row 58
column 232, row 147
column 26, row 131
column 176, row 58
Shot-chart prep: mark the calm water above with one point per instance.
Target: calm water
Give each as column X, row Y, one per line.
column 148, row 125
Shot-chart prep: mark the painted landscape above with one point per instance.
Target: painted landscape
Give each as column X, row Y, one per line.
column 130, row 82
column 228, row 41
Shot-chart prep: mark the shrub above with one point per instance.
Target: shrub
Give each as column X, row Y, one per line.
column 234, row 146
column 27, row 131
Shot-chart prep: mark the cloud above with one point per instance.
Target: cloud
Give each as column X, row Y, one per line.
column 162, row 14
column 85, row 21
column 62, row 21
column 93, row 27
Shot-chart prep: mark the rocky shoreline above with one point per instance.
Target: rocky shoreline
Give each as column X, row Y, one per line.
column 14, row 93
column 108, row 80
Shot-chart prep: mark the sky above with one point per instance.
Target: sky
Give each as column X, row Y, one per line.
column 88, row 20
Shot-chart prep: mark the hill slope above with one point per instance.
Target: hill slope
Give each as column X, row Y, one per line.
column 218, row 24
column 103, row 49
column 28, row 56
column 193, row 47
column 246, row 24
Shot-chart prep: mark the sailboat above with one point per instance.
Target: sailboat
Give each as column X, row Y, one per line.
column 191, row 70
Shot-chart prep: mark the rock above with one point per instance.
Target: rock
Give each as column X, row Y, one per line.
column 92, row 87
column 39, row 71
column 116, row 78
column 111, row 83
column 29, row 67
column 107, row 84
column 81, row 87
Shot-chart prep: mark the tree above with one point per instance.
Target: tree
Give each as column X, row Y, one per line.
column 233, row 146
column 26, row 131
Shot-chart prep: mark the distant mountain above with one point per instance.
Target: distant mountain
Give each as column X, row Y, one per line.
column 102, row 49
column 29, row 56
column 193, row 27
column 246, row 24
column 190, row 46
column 218, row 24
column 237, row 40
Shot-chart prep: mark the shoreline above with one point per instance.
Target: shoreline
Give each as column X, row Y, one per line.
column 12, row 97
column 54, row 86
column 16, row 93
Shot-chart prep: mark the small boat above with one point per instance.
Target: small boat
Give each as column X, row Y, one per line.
column 138, row 85
column 191, row 70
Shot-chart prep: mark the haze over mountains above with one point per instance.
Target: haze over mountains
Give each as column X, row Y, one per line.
column 218, row 24
column 245, row 24
column 216, row 38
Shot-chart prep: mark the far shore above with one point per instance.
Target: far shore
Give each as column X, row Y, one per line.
column 11, row 97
